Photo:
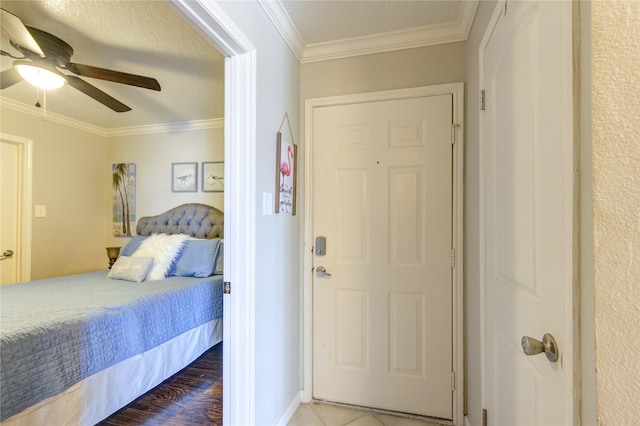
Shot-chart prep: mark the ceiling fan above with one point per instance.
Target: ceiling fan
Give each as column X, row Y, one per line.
column 44, row 54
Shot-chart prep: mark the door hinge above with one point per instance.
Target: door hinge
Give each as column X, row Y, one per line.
column 484, row 417
column 482, row 100
column 226, row 288
column 453, row 134
column 453, row 258
column 453, row 381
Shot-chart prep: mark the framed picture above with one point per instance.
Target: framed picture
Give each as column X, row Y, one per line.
column 287, row 167
column 213, row 176
column 124, row 198
column 184, row 177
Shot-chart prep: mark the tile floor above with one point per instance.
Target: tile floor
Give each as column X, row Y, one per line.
column 321, row 414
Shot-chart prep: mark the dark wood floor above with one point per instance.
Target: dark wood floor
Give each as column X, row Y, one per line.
column 191, row 397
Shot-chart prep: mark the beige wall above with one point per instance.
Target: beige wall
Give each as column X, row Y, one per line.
column 66, row 179
column 72, row 178
column 615, row 73
column 385, row 71
column 153, row 155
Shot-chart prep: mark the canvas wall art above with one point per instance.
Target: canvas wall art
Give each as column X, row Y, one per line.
column 124, row 198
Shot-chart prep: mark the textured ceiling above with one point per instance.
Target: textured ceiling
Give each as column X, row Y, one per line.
column 324, row 21
column 148, row 38
column 139, row 37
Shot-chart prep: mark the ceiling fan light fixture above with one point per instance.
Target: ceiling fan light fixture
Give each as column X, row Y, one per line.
column 39, row 75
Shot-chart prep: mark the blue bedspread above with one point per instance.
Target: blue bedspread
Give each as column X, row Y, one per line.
column 58, row 331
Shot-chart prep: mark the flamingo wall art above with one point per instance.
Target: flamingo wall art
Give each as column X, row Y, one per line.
column 286, row 176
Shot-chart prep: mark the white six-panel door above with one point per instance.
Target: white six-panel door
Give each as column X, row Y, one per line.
column 527, row 161
column 382, row 322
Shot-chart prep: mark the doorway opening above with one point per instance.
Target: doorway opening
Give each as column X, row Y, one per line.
column 239, row 228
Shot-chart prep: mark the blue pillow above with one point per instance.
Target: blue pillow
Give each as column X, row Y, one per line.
column 197, row 259
column 132, row 246
column 219, row 269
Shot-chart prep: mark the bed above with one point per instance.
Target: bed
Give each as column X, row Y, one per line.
column 76, row 349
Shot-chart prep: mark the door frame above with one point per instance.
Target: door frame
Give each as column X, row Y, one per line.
column 457, row 92
column 25, row 154
column 211, row 21
column 571, row 376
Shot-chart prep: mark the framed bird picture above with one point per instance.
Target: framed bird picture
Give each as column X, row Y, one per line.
column 286, row 176
column 212, row 176
column 184, row 177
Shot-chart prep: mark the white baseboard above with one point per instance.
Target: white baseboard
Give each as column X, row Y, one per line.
column 466, row 421
column 291, row 410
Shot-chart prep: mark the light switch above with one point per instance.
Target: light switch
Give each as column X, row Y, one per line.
column 41, row 210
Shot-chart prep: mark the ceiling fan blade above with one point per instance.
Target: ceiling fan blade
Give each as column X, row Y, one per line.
column 96, row 94
column 15, row 30
column 9, row 78
column 115, row 76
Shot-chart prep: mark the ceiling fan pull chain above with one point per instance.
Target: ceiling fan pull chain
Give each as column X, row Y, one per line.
column 44, row 102
column 38, row 98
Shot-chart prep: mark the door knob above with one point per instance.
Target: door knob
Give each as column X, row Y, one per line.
column 6, row 255
column 322, row 272
column 531, row 346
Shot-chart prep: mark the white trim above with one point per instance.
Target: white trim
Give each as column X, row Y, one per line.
column 291, row 410
column 395, row 40
column 482, row 237
column 239, row 356
column 457, row 91
column 240, row 221
column 281, row 20
column 26, row 197
column 51, row 116
column 183, row 126
column 458, row 245
column 571, row 189
column 377, row 43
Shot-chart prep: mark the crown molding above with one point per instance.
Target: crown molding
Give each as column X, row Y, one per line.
column 284, row 25
column 395, row 40
column 378, row 43
column 184, row 126
column 51, row 116
column 381, row 43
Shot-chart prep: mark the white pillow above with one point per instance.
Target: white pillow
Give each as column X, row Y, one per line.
column 131, row 269
column 164, row 249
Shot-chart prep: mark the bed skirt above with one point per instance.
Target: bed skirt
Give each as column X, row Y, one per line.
column 97, row 397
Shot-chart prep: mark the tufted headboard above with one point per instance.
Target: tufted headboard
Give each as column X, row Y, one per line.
column 196, row 220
